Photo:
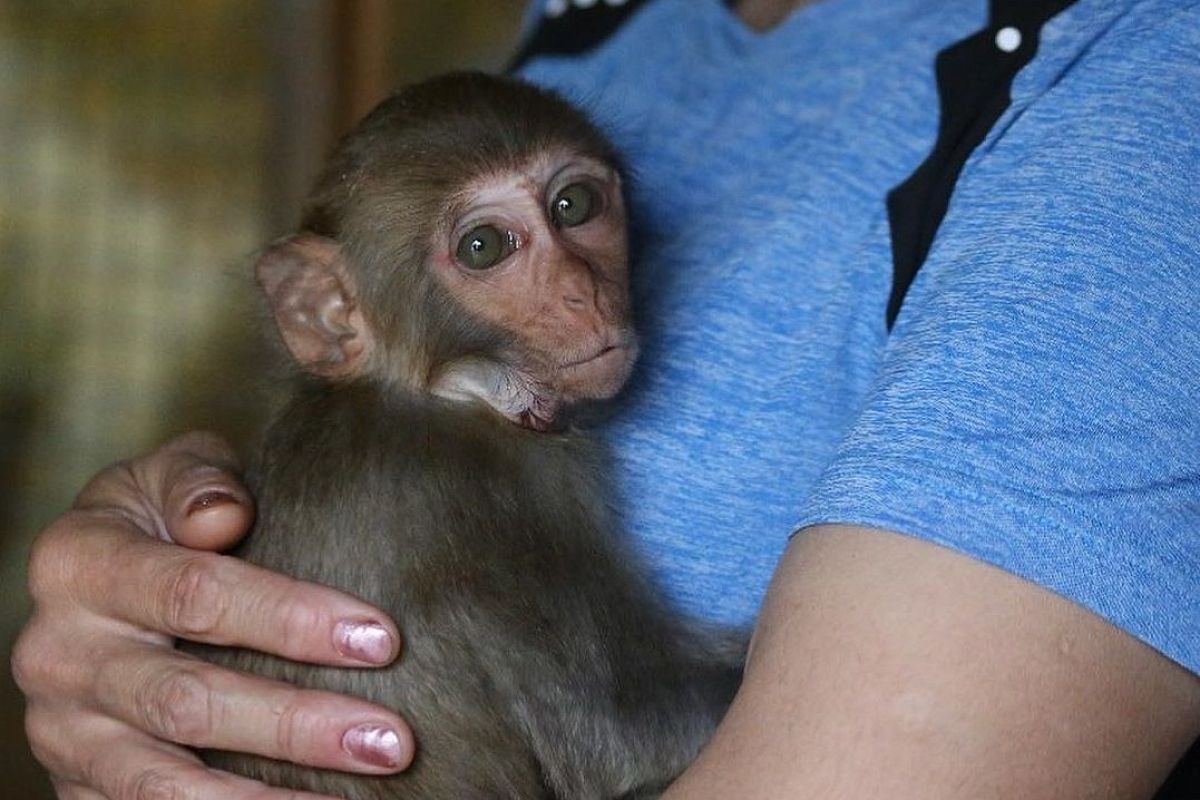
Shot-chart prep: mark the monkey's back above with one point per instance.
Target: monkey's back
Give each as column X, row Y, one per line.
column 536, row 661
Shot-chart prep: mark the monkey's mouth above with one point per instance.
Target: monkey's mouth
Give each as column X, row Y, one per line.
column 594, row 357
column 600, row 374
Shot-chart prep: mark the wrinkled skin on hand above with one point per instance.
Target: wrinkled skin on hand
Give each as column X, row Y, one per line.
column 112, row 706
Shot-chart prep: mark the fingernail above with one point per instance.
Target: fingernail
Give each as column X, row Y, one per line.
column 209, row 499
column 365, row 641
column 373, row 744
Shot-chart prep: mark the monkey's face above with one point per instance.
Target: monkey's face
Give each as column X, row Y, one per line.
column 541, row 253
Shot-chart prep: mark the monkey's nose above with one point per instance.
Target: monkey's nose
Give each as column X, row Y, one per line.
column 579, row 291
column 576, row 283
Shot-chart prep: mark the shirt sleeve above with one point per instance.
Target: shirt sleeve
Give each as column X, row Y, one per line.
column 1038, row 405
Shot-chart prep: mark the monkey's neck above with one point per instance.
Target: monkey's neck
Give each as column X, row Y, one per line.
column 511, row 393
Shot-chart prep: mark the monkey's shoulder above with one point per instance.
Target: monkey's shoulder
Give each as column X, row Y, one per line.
column 397, row 499
column 362, row 424
column 393, row 455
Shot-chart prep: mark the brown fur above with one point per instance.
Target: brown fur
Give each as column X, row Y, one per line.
column 538, row 662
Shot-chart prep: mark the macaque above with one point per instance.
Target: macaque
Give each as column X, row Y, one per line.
column 458, row 286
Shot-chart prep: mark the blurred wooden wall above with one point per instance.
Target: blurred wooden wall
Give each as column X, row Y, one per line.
column 150, row 148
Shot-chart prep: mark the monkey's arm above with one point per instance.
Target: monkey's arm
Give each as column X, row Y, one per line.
column 108, row 700
column 885, row 666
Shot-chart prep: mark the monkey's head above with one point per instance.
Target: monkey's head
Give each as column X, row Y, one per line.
column 468, row 239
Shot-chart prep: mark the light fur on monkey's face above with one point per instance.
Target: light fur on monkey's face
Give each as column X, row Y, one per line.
column 541, row 252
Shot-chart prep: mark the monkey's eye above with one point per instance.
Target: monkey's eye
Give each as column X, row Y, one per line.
column 574, row 205
column 485, row 246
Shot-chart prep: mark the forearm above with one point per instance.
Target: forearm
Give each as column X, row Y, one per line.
column 884, row 666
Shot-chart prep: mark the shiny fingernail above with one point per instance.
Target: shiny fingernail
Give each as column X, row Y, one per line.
column 364, row 641
column 210, row 499
column 376, row 745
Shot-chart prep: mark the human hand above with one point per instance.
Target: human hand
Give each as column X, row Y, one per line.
column 109, row 699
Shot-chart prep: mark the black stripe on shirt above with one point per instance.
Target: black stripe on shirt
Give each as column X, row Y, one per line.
column 974, row 77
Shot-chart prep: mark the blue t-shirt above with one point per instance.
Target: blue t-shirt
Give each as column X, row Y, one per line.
column 1037, row 404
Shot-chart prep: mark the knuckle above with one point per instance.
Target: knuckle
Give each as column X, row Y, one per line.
column 42, row 668
column 179, row 705
column 195, row 601
column 50, row 559
column 25, row 660
column 291, row 732
column 301, row 619
column 154, row 783
column 40, row 733
column 111, row 489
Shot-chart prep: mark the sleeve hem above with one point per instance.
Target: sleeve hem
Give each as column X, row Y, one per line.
column 1146, row 593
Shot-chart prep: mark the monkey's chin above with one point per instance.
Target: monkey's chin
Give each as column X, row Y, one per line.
column 599, row 377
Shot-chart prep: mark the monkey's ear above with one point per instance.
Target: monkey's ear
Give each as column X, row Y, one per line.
column 312, row 295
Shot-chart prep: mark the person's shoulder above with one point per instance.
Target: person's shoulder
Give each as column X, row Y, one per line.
column 1146, row 41
column 1101, row 127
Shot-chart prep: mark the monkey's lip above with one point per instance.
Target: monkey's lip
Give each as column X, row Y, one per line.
column 602, row 353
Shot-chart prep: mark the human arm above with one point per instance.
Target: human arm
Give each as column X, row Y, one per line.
column 886, row 666
column 110, row 701
column 1035, row 409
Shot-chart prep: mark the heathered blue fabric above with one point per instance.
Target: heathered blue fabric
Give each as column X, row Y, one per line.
column 1037, row 405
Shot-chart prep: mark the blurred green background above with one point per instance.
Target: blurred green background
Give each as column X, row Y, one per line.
column 148, row 149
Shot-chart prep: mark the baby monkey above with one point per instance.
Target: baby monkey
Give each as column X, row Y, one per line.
column 458, row 284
